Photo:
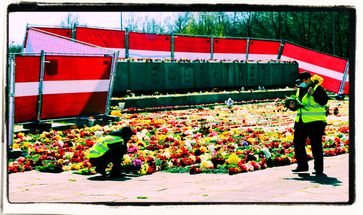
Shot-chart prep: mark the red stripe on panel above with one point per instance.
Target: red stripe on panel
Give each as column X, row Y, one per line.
column 229, row 45
column 101, row 37
column 73, row 104
column 77, row 68
column 191, row 44
column 25, row 109
column 153, row 42
column 27, row 68
column 313, row 57
column 263, row 47
column 59, row 31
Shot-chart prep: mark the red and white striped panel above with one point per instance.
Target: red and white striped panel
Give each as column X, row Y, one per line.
column 72, row 86
column 75, row 86
column 191, row 47
column 111, row 39
column 149, row 45
column 229, row 49
column 40, row 40
column 263, row 50
column 27, row 72
column 329, row 67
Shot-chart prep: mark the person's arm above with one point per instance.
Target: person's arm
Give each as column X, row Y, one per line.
column 320, row 96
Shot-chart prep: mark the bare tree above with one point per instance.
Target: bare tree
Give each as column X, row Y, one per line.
column 70, row 21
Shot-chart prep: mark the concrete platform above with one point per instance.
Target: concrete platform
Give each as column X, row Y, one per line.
column 273, row 185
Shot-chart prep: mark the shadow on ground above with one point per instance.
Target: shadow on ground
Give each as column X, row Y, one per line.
column 106, row 178
column 322, row 179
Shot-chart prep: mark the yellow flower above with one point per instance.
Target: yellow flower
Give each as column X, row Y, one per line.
column 193, row 158
column 203, row 149
column 317, row 79
column 233, row 159
column 26, row 144
column 126, row 159
column 140, row 143
column 116, row 113
column 251, row 140
column 66, row 168
column 42, row 135
column 20, row 134
column 57, row 137
column 206, row 165
column 16, row 147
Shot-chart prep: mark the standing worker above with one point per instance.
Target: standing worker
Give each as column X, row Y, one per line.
column 110, row 149
column 310, row 121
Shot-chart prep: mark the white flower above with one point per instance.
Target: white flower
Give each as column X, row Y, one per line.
column 229, row 102
column 266, row 152
column 98, row 133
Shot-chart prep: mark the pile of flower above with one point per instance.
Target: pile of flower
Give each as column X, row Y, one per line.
column 218, row 139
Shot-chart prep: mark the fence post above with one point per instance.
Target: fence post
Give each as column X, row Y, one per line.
column 40, row 88
column 74, row 31
column 247, row 47
column 112, row 77
column 282, row 44
column 11, row 110
column 342, row 84
column 211, row 47
column 172, row 37
column 126, row 42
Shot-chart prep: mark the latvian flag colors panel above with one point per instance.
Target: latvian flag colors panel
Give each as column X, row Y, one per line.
column 111, row 39
column 329, row 67
column 72, row 86
column 39, row 40
column 191, row 47
column 263, row 50
column 149, row 45
column 229, row 49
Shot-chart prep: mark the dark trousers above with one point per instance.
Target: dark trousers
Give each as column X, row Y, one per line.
column 114, row 156
column 315, row 131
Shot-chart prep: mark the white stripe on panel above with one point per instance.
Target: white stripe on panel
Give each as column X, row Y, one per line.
column 26, row 88
column 317, row 69
column 83, row 86
column 191, row 55
column 62, row 87
column 148, row 53
column 262, row 56
column 229, row 56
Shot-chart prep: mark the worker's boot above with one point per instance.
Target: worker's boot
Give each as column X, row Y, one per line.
column 116, row 171
column 101, row 170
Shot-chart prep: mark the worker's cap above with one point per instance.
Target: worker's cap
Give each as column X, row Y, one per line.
column 124, row 132
column 304, row 75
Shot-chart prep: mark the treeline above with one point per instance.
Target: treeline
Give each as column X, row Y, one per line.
column 325, row 31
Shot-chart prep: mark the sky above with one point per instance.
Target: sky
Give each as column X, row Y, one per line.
column 19, row 20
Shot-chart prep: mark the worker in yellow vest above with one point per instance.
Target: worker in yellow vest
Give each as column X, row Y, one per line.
column 110, row 149
column 310, row 121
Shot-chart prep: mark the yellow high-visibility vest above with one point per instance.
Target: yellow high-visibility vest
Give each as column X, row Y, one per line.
column 101, row 147
column 312, row 111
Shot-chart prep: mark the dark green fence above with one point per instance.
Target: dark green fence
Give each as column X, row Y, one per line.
column 181, row 76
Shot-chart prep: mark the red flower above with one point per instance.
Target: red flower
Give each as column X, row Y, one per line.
column 194, row 170
column 233, row 170
column 89, row 143
column 150, row 170
column 186, row 161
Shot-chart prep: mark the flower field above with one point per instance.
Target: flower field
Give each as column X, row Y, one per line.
column 215, row 139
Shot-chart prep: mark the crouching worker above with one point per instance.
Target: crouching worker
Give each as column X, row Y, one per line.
column 110, row 149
